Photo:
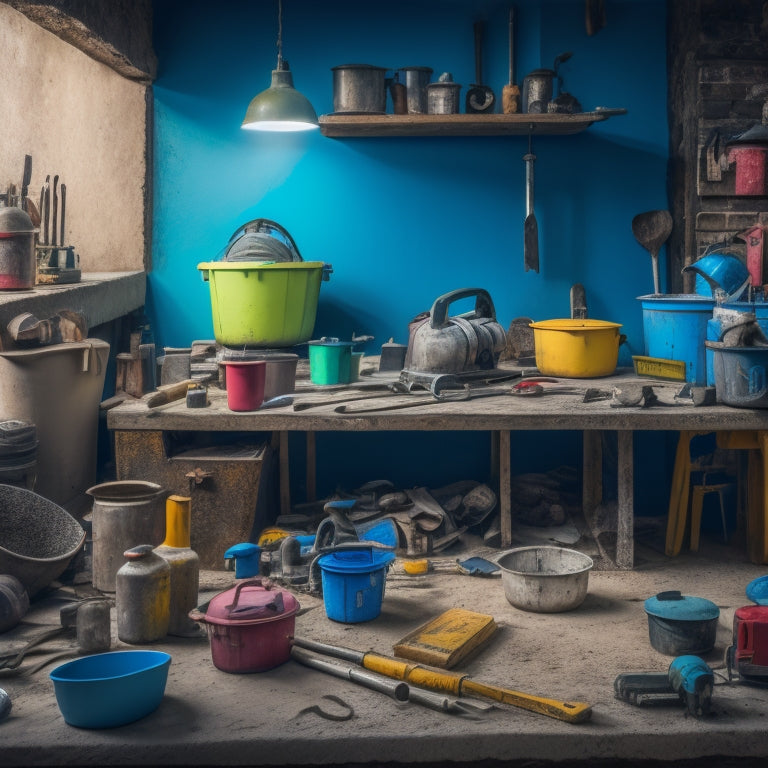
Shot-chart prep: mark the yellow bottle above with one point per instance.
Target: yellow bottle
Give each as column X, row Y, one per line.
column 185, row 565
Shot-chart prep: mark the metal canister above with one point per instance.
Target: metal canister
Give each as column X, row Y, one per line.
column 443, row 96
column 416, row 81
column 359, row 88
column 537, row 90
column 18, row 265
column 126, row 513
column 14, row 601
column 93, row 626
column 184, row 563
column 143, row 596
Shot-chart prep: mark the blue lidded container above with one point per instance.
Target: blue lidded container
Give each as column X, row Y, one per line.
column 680, row 625
column 353, row 583
column 246, row 557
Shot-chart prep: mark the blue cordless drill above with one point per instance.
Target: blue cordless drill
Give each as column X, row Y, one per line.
column 689, row 679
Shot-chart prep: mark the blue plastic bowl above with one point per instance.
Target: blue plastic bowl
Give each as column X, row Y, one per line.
column 110, row 689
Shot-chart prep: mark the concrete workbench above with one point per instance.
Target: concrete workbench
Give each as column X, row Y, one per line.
column 500, row 415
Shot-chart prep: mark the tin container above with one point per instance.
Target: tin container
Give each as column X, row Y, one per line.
column 143, row 596
column 443, row 96
column 126, row 513
column 18, row 266
column 14, row 602
column 93, row 626
column 537, row 90
column 359, row 88
column 680, row 624
column 416, row 81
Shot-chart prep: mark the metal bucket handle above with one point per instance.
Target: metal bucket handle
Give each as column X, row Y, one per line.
column 483, row 306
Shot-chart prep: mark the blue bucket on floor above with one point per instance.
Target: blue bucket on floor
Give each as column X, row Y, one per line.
column 675, row 328
column 353, row 583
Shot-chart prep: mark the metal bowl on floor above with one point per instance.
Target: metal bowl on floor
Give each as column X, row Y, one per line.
column 545, row 579
column 39, row 538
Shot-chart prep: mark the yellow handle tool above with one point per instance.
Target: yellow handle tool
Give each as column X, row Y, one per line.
column 451, row 682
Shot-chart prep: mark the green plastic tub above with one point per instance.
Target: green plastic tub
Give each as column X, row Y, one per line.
column 263, row 304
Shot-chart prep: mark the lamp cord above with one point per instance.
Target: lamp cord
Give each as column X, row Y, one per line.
column 279, row 34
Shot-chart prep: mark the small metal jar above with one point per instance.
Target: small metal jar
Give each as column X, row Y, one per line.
column 537, row 90
column 18, row 266
column 443, row 96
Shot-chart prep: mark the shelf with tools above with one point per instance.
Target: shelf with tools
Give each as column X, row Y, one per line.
column 339, row 126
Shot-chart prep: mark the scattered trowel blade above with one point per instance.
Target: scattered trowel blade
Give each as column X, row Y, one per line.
column 531, row 243
column 477, row 566
column 578, row 302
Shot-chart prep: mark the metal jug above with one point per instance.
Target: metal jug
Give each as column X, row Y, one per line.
column 537, row 90
column 471, row 341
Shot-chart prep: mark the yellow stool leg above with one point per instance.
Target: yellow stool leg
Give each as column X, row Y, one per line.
column 678, row 497
column 697, row 504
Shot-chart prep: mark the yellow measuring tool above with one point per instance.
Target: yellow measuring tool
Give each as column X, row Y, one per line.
column 451, row 682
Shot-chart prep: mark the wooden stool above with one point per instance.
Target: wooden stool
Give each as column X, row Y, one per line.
column 756, row 442
column 697, row 505
column 679, row 495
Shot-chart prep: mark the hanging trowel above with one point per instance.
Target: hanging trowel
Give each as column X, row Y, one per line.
column 531, row 226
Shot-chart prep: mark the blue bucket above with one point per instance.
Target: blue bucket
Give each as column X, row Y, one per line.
column 353, row 583
column 675, row 328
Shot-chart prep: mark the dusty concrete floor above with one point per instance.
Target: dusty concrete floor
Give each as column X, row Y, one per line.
column 209, row 717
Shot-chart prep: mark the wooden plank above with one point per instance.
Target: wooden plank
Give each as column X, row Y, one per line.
column 311, row 467
column 505, row 488
column 625, row 539
column 348, row 126
column 592, row 472
column 285, row 475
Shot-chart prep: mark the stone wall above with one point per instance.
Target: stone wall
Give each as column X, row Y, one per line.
column 718, row 88
column 84, row 121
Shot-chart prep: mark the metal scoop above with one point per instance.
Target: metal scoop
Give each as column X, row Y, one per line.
column 651, row 229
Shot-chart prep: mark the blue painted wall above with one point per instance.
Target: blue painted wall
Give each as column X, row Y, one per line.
column 404, row 220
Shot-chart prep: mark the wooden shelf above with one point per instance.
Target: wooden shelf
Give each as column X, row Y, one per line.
column 368, row 126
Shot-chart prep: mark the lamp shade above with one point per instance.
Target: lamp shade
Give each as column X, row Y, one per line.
column 281, row 107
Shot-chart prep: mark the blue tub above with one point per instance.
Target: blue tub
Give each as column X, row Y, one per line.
column 675, row 328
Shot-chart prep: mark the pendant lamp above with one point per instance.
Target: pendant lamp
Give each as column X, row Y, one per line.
column 281, row 107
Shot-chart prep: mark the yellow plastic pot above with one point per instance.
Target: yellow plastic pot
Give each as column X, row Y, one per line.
column 577, row 349
column 263, row 304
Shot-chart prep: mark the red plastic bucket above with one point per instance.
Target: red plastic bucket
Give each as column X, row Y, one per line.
column 245, row 384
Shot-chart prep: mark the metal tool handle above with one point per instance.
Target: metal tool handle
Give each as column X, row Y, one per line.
column 483, row 305
column 529, row 158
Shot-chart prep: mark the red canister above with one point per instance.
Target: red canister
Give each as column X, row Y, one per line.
column 249, row 626
column 17, row 250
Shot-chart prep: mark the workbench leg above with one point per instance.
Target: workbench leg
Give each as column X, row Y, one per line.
column 285, row 475
column 625, row 538
column 495, row 457
column 311, row 467
column 592, row 474
column 505, row 488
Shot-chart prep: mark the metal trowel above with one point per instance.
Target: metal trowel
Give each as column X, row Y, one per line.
column 531, row 226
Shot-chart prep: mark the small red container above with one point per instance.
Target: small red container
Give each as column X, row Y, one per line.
column 245, row 384
column 249, row 627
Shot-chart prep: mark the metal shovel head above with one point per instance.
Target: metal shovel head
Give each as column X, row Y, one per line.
column 531, row 243
column 651, row 229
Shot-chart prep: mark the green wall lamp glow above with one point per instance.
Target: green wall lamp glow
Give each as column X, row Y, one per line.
column 281, row 107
